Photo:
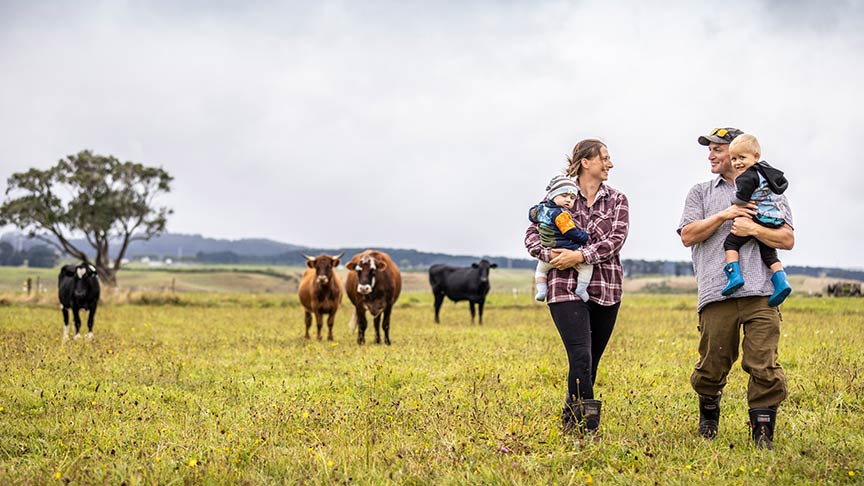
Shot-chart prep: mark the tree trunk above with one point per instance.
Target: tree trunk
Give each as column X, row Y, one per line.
column 107, row 275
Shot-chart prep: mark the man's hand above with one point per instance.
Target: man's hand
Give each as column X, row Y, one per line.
column 735, row 211
column 782, row 238
column 701, row 230
column 563, row 259
column 744, row 227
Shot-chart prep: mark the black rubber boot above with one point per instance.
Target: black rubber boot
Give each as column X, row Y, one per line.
column 762, row 424
column 591, row 415
column 709, row 416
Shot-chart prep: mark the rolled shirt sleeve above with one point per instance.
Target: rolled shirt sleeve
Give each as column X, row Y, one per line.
column 694, row 209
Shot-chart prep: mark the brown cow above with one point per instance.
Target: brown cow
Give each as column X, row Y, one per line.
column 321, row 291
column 373, row 283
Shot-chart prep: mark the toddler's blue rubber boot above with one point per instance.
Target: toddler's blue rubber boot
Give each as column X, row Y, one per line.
column 782, row 289
column 736, row 281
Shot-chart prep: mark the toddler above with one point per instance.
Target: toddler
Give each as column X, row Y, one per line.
column 758, row 182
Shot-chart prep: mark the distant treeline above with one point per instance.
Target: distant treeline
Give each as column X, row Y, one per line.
column 197, row 248
column 37, row 256
column 417, row 260
column 826, row 272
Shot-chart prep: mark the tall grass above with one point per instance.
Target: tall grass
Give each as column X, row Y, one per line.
column 223, row 389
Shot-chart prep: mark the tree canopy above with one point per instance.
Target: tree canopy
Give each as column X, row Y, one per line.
column 108, row 201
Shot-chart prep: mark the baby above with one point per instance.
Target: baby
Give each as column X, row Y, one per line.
column 557, row 230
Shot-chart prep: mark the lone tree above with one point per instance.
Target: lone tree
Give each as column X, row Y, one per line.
column 108, row 201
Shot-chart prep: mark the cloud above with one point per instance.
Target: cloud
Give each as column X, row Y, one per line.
column 433, row 126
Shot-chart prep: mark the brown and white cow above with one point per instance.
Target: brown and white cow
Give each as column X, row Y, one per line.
column 373, row 283
column 320, row 291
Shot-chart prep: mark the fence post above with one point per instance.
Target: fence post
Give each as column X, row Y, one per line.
column 29, row 285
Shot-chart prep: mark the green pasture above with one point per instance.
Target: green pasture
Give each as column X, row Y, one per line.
column 230, row 279
column 217, row 388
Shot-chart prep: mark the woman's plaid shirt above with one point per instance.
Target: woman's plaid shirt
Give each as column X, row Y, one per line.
column 607, row 223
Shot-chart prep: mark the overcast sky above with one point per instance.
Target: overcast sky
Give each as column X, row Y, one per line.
column 435, row 126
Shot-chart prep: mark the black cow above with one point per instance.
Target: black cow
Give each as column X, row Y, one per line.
column 79, row 289
column 461, row 283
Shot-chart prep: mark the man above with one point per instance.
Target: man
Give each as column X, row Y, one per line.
column 708, row 217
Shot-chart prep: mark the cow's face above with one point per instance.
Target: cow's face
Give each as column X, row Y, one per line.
column 484, row 267
column 323, row 265
column 84, row 276
column 367, row 268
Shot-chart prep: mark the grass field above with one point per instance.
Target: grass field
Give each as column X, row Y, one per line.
column 230, row 279
column 261, row 279
column 222, row 389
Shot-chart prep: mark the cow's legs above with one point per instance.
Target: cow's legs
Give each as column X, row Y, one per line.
column 439, row 299
column 76, row 315
column 471, row 306
column 319, row 322
column 90, row 316
column 308, row 323
column 377, row 321
column 361, row 326
column 330, row 318
column 65, row 323
column 480, row 310
column 386, row 324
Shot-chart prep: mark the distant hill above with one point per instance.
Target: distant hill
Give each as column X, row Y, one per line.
column 182, row 246
column 406, row 259
column 177, row 245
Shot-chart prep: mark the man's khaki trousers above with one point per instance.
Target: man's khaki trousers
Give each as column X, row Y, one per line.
column 720, row 326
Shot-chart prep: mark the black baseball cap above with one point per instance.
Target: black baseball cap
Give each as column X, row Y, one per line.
column 720, row 135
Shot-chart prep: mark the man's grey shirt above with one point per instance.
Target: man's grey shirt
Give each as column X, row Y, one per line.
column 709, row 258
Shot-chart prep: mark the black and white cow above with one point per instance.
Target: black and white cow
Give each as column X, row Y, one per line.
column 461, row 283
column 78, row 287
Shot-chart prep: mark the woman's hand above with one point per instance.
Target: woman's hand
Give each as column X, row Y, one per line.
column 563, row 259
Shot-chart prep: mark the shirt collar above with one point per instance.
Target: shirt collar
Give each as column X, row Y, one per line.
column 601, row 192
column 718, row 180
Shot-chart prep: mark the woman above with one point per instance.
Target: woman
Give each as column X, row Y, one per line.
column 585, row 327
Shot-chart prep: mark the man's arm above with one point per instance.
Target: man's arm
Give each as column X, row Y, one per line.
column 702, row 229
column 782, row 238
